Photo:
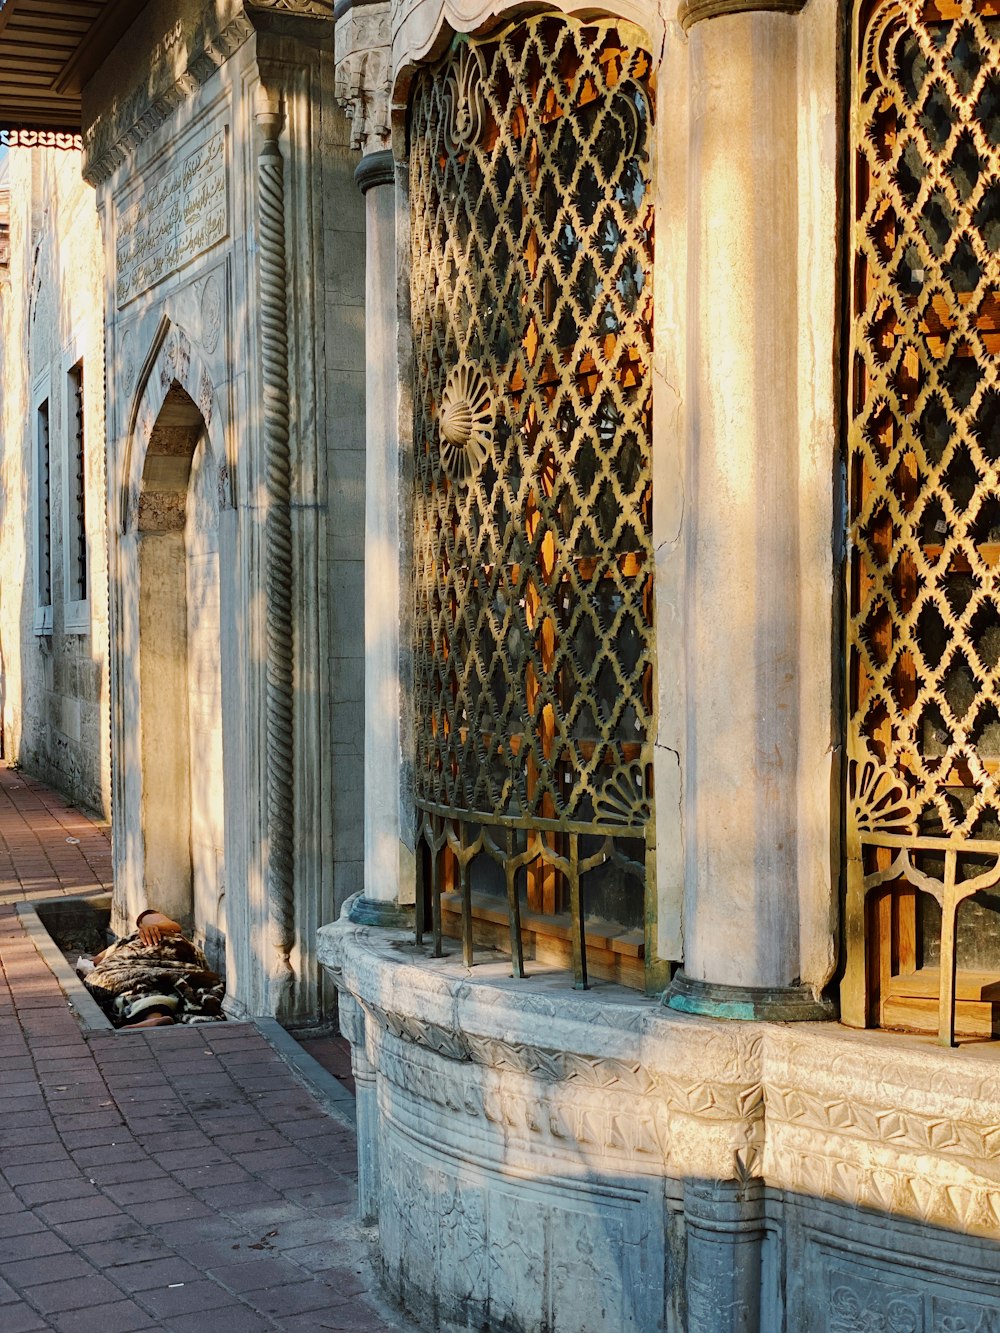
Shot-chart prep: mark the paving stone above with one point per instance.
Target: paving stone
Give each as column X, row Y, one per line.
column 225, row 1319
column 201, row 1295
column 40, row 1153
column 122, row 1173
column 206, row 1180
column 318, row 1196
column 147, row 1274
column 91, row 1230
column 20, row 1224
column 76, row 1294
column 186, row 1132
column 144, row 1191
column 228, row 1197
column 48, row 1268
column 117, row 1317
column 32, row 1245
column 79, row 1210
column 37, row 1172
column 168, row 1210
column 128, row 1249
column 296, row 1298
column 267, row 1271
column 21, row 1318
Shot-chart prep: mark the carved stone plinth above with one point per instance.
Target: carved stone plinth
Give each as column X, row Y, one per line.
column 546, row 1157
column 776, row 1004
column 374, row 912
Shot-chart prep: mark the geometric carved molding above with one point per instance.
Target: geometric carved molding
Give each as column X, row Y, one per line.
column 867, row 1121
column 115, row 136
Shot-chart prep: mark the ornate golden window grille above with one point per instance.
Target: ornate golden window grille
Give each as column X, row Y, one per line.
column 923, row 687
column 532, row 252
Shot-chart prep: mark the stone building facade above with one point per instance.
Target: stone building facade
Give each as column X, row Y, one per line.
column 226, row 269
column 635, row 371
column 234, row 320
column 53, row 552
column 722, row 509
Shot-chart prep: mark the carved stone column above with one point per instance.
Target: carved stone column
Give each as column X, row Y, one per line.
column 352, row 1026
column 724, row 1235
column 748, row 780
column 273, row 319
column 362, row 47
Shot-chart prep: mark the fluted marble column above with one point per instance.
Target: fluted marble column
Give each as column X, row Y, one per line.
column 746, row 684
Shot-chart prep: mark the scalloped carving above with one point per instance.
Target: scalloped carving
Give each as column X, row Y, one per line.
column 466, row 422
column 879, row 798
column 622, row 802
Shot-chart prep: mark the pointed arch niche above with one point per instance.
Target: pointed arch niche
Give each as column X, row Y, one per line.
column 174, row 487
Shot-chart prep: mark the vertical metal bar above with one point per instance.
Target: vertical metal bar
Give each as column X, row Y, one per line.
column 576, row 912
column 418, row 906
column 437, row 856
column 465, row 882
column 513, row 910
column 946, row 993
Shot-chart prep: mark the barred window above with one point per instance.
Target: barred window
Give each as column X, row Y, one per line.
column 43, row 520
column 532, row 251
column 76, row 536
column 924, row 497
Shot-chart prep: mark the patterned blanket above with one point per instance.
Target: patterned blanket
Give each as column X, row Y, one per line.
column 134, row 979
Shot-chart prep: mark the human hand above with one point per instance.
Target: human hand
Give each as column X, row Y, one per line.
column 155, row 927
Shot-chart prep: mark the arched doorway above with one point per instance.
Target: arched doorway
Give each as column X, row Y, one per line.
column 179, row 674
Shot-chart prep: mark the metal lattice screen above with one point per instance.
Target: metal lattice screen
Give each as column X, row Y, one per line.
column 532, row 248
column 924, row 443
column 925, row 438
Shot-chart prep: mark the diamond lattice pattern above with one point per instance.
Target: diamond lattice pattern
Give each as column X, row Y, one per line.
column 924, row 492
column 532, row 244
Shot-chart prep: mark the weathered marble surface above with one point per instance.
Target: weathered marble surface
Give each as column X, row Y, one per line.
column 234, row 260
column 507, row 1129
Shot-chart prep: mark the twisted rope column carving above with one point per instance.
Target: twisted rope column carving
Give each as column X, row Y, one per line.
column 277, row 547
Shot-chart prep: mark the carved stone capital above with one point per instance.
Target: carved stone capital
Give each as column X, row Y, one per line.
column 693, row 11
column 363, row 82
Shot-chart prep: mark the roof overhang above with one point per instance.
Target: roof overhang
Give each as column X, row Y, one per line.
column 48, row 51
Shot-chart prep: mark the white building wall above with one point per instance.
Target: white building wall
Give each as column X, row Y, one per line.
column 54, row 678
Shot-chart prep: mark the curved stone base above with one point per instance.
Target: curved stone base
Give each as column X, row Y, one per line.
column 592, row 1162
column 373, row 912
column 773, row 1004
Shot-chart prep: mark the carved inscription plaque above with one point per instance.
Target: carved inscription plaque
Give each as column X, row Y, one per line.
column 183, row 212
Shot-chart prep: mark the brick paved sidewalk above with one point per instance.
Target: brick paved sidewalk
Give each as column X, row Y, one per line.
column 177, row 1179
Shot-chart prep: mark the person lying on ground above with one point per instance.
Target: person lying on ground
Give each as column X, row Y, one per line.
column 154, row 976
